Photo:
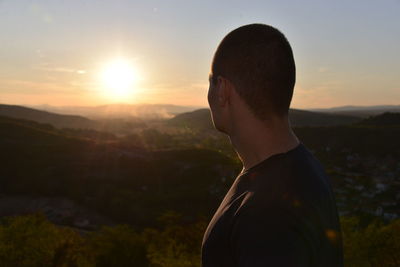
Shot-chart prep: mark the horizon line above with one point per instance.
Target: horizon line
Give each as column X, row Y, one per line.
column 195, row 106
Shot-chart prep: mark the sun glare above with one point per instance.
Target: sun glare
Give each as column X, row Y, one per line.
column 119, row 78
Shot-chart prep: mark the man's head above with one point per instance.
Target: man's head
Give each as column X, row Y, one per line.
column 256, row 61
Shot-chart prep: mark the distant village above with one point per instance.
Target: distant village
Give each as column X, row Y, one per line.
column 367, row 185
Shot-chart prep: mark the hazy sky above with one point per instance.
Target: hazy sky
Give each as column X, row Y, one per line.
column 52, row 52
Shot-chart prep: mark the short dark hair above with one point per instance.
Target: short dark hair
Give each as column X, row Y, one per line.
column 258, row 60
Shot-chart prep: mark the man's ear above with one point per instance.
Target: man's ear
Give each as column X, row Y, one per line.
column 224, row 91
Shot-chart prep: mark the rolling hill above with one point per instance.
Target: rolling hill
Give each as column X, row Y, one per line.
column 61, row 121
column 201, row 119
column 57, row 120
column 300, row 118
column 360, row 111
column 385, row 119
column 198, row 119
column 112, row 111
column 122, row 183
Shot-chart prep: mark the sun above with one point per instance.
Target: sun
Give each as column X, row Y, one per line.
column 119, row 78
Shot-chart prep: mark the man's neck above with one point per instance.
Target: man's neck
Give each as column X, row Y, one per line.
column 257, row 142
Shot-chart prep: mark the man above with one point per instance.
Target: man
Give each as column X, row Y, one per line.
column 280, row 210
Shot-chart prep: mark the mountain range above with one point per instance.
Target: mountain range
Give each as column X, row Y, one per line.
column 360, row 111
column 112, row 111
column 123, row 118
column 201, row 119
column 57, row 120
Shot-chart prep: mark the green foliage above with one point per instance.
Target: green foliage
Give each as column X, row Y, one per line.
column 373, row 245
column 385, row 119
column 135, row 186
column 118, row 246
column 133, row 140
column 155, row 139
column 177, row 244
column 34, row 241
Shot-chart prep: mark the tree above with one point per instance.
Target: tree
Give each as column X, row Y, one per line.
column 118, row 246
column 33, row 241
column 177, row 244
column 373, row 245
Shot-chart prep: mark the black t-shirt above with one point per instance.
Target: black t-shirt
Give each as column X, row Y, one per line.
column 280, row 212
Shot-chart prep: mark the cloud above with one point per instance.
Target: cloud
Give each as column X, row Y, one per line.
column 40, row 88
column 61, row 69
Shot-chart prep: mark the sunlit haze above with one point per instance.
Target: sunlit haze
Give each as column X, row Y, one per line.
column 102, row 52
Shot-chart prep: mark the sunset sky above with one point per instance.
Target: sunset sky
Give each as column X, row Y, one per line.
column 64, row 52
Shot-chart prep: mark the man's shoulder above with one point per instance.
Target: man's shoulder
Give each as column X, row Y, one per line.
column 300, row 174
column 295, row 184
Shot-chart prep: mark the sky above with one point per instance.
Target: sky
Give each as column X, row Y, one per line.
column 56, row 52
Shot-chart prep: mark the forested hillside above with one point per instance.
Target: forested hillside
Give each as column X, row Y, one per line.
column 145, row 198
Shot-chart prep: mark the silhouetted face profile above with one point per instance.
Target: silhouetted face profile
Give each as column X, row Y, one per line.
column 216, row 113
